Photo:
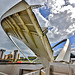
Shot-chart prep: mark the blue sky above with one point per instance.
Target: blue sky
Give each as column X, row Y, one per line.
column 45, row 11
column 59, row 19
column 72, row 40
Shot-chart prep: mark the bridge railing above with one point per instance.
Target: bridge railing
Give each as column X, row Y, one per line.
column 40, row 72
column 33, row 73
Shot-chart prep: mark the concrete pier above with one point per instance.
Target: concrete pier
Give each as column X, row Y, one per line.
column 10, row 56
column 2, row 53
column 18, row 55
column 15, row 55
column 6, row 57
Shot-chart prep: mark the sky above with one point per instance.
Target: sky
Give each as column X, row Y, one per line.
column 58, row 16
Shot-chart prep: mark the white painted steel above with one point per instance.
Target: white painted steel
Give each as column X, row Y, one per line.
column 33, row 73
column 65, row 53
column 21, row 23
column 1, row 73
column 0, row 54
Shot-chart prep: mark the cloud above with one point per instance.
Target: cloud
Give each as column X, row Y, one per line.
column 73, row 51
column 64, row 26
column 36, row 2
column 62, row 18
column 6, row 4
column 72, row 1
column 4, row 40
